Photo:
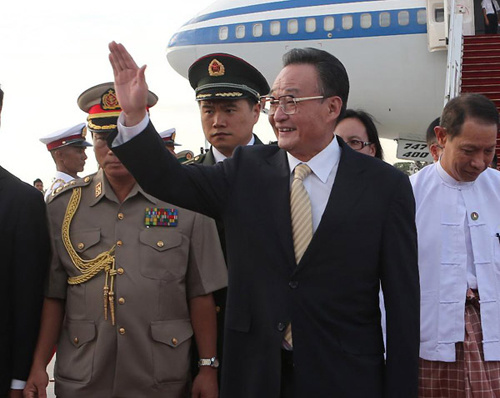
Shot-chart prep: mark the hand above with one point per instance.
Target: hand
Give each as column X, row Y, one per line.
column 36, row 386
column 15, row 394
column 130, row 84
column 205, row 384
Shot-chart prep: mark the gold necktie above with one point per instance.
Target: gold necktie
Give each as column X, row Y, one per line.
column 302, row 228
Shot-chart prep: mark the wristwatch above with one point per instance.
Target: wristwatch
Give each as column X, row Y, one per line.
column 212, row 362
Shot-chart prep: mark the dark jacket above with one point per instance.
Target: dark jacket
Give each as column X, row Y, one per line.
column 366, row 236
column 24, row 248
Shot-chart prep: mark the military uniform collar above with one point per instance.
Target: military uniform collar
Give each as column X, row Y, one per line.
column 102, row 188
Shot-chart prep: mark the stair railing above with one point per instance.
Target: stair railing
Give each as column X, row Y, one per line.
column 455, row 40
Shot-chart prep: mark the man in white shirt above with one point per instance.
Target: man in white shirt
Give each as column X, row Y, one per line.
column 458, row 224
column 67, row 148
column 490, row 13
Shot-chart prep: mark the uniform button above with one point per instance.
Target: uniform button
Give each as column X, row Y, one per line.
column 87, row 179
column 75, row 340
column 217, row 309
column 293, row 284
column 160, row 243
column 281, row 326
column 120, row 271
column 121, row 330
column 120, row 216
column 121, row 300
column 174, row 341
column 81, row 246
column 119, row 243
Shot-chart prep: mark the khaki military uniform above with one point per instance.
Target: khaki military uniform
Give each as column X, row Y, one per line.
column 157, row 270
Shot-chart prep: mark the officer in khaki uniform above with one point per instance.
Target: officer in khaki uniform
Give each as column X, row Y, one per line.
column 132, row 277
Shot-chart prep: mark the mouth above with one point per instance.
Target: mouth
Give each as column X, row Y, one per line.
column 220, row 134
column 285, row 130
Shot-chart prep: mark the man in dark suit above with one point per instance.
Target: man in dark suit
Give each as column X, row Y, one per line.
column 24, row 247
column 362, row 213
column 228, row 91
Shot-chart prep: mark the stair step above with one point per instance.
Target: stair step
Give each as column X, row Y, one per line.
column 480, row 67
column 487, row 74
column 495, row 97
column 481, row 81
column 481, row 39
column 481, row 50
column 486, row 89
column 471, row 58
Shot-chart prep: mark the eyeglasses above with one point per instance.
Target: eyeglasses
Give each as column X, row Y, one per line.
column 288, row 103
column 358, row 145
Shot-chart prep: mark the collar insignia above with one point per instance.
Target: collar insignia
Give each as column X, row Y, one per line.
column 215, row 68
column 98, row 189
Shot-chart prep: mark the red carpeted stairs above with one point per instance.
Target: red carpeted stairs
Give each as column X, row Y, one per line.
column 481, row 68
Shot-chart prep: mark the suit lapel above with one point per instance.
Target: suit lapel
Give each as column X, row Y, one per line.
column 278, row 188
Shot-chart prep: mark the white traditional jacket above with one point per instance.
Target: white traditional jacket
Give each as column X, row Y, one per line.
column 457, row 222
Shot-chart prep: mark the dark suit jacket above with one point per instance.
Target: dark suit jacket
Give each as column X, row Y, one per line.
column 24, row 248
column 367, row 234
column 220, row 296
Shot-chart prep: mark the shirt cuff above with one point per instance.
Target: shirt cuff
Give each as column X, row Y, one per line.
column 17, row 384
column 125, row 133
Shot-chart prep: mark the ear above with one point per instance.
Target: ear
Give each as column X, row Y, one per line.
column 334, row 106
column 441, row 135
column 256, row 112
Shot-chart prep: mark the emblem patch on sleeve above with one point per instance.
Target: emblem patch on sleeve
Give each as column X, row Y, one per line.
column 156, row 217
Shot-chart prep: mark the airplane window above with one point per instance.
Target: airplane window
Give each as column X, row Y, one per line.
column 347, row 22
column 403, row 18
column 257, row 30
column 421, row 17
column 275, row 28
column 328, row 23
column 439, row 14
column 384, row 19
column 223, row 33
column 365, row 20
column 240, row 31
column 310, row 25
column 293, row 26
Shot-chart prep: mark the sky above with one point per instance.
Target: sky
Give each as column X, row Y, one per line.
column 51, row 51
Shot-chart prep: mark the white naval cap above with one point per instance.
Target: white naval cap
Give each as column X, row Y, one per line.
column 74, row 136
column 168, row 137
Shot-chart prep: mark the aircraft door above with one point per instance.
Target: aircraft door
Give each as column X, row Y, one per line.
column 436, row 27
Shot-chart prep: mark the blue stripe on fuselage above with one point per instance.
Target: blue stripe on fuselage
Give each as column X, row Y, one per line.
column 281, row 5
column 210, row 35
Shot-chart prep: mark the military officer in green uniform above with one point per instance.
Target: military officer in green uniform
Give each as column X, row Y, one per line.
column 228, row 91
column 129, row 285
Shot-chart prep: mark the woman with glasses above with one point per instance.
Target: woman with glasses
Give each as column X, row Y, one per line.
column 358, row 130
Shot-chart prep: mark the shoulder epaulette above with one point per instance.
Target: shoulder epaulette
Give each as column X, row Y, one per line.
column 79, row 182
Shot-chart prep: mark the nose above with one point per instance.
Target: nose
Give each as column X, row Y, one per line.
column 280, row 114
column 219, row 119
column 480, row 162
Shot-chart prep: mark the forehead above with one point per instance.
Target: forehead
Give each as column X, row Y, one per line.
column 296, row 79
column 477, row 133
column 351, row 128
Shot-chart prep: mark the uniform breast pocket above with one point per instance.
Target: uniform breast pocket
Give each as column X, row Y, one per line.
column 163, row 254
column 85, row 242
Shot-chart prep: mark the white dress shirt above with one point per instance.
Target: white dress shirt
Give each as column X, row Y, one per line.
column 59, row 180
column 319, row 183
